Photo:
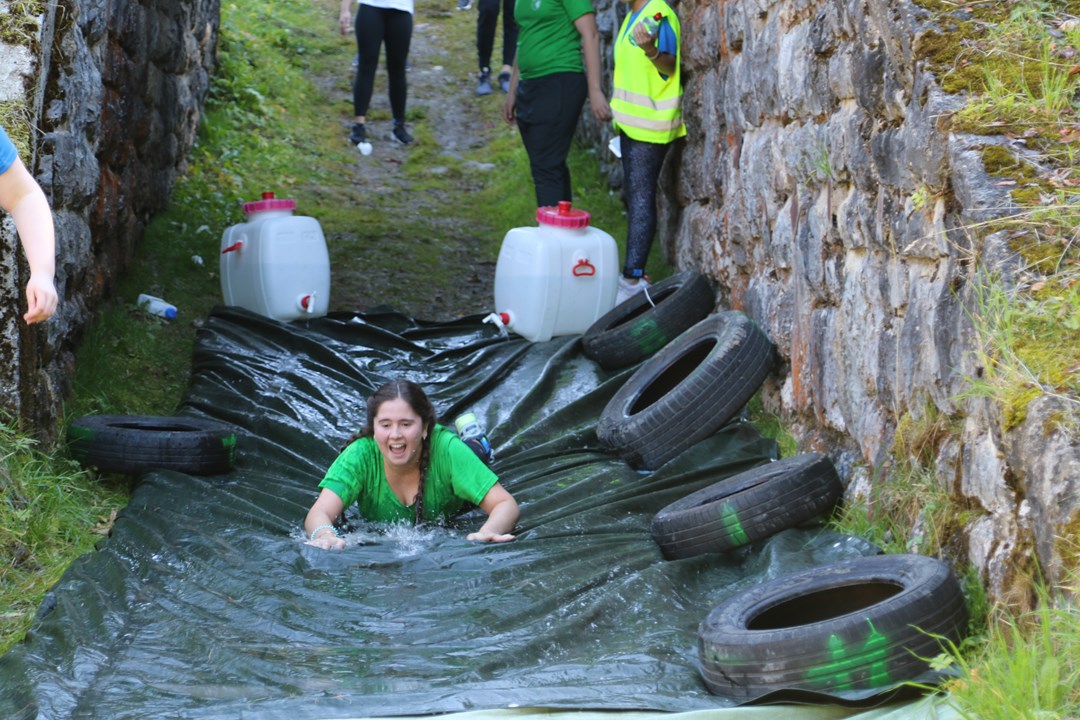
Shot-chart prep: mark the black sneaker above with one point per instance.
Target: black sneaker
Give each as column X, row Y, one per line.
column 400, row 134
column 357, row 135
column 483, row 82
column 464, row 4
column 504, row 81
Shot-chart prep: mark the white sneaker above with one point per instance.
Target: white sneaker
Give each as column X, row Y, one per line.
column 629, row 288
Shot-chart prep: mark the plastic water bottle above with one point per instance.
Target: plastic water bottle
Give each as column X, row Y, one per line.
column 156, row 306
column 469, row 430
column 652, row 24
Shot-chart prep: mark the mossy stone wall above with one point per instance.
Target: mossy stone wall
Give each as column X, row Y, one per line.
column 822, row 191
column 114, row 95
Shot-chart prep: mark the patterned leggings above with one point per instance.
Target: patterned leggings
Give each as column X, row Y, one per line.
column 641, row 163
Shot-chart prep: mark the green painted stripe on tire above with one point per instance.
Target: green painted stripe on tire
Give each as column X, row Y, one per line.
column 729, row 516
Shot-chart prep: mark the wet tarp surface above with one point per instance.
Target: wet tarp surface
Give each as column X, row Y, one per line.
column 205, row 602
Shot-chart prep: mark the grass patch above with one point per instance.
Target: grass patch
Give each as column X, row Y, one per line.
column 772, row 427
column 1028, row 668
column 50, row 513
column 1028, row 345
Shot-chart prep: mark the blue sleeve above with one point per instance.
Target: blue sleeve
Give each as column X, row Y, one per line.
column 7, row 151
column 666, row 41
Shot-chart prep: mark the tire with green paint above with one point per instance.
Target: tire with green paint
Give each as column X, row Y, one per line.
column 131, row 444
column 747, row 507
column 856, row 628
column 687, row 391
column 637, row 328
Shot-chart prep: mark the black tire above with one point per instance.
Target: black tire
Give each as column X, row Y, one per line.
column 687, row 391
column 747, row 507
column 136, row 443
column 635, row 329
column 857, row 626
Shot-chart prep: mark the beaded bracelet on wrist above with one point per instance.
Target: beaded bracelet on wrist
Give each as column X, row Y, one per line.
column 324, row 527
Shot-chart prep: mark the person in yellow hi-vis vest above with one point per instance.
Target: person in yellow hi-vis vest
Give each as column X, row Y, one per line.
column 646, row 108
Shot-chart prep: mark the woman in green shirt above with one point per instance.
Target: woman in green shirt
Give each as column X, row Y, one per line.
column 404, row 467
column 556, row 67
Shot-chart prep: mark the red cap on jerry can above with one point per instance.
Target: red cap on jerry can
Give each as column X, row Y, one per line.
column 562, row 216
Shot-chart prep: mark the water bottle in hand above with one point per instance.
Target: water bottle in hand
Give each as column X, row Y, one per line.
column 652, row 24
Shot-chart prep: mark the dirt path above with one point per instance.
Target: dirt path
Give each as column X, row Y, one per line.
column 421, row 256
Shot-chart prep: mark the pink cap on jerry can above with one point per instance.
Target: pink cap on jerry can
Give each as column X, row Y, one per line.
column 269, row 202
column 563, row 216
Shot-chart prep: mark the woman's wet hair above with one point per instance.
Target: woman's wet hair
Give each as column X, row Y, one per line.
column 416, row 399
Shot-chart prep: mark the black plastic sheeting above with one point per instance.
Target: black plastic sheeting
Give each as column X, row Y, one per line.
column 205, row 602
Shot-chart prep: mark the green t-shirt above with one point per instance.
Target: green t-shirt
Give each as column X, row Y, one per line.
column 548, row 41
column 455, row 477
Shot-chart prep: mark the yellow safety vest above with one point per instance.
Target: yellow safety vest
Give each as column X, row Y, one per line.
column 646, row 106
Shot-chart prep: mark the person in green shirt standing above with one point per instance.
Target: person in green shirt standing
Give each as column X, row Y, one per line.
column 403, row 467
column 557, row 65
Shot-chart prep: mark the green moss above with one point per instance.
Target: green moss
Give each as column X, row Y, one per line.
column 1039, row 255
column 20, row 25
column 941, row 49
column 1029, row 195
column 1000, row 162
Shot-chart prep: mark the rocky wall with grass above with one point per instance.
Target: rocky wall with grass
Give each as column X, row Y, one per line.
column 115, row 91
column 821, row 190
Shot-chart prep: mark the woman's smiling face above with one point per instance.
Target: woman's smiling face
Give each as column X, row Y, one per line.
column 399, row 433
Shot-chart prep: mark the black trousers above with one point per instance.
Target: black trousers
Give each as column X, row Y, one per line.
column 375, row 27
column 547, row 110
column 487, row 21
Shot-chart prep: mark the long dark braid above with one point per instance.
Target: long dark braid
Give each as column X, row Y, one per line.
column 418, row 400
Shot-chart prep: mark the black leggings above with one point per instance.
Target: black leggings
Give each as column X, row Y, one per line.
column 375, row 26
column 487, row 21
column 641, row 163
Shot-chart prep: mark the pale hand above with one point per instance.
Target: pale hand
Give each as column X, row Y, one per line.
column 41, row 300
column 488, row 536
column 327, row 541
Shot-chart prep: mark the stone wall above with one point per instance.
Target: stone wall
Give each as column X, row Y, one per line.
column 115, row 95
column 819, row 191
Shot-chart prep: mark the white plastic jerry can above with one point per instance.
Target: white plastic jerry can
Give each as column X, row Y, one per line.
column 555, row 279
column 276, row 263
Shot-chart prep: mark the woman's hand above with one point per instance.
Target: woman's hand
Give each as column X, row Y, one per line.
column 601, row 108
column 319, row 523
column 345, row 17
column 40, row 299
column 482, row 535
column 327, row 541
column 509, row 114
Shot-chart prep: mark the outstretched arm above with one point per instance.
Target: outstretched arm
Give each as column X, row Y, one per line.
column 320, row 521
column 503, row 513
column 21, row 196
